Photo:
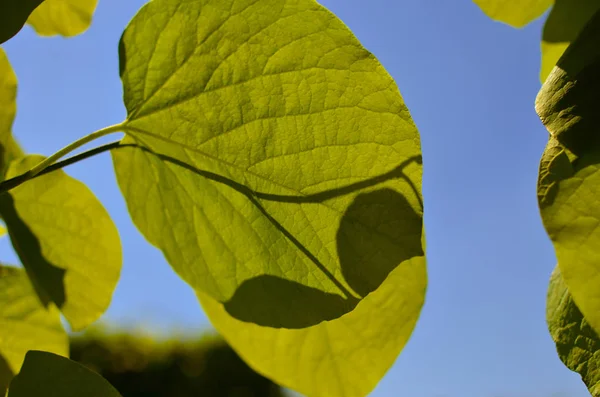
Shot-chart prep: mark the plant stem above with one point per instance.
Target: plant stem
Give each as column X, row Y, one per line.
column 81, row 156
column 72, row 146
column 50, row 163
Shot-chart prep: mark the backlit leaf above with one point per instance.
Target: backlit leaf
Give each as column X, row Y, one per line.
column 577, row 344
column 25, row 324
column 13, row 14
column 345, row 357
column 66, row 241
column 565, row 20
column 63, row 17
column 278, row 164
column 569, row 180
column 517, row 13
column 9, row 149
column 46, row 374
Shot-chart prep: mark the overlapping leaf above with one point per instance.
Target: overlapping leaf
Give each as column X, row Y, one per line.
column 577, row 344
column 66, row 241
column 569, row 180
column 46, row 374
column 25, row 324
column 264, row 124
column 62, row 234
column 62, row 17
column 13, row 14
column 566, row 19
column 517, row 13
column 345, row 357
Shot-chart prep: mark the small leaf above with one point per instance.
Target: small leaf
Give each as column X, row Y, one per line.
column 8, row 97
column 25, row 323
column 9, row 149
column 569, row 178
column 46, row 374
column 516, row 13
column 263, row 129
column 66, row 241
column 565, row 21
column 13, row 14
column 577, row 344
column 62, row 17
column 345, row 357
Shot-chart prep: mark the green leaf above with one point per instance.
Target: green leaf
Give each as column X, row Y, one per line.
column 62, row 17
column 565, row 21
column 13, row 14
column 577, row 344
column 9, row 149
column 46, row 374
column 25, row 323
column 516, row 13
column 345, row 357
column 569, row 180
column 8, row 97
column 66, row 241
column 278, row 158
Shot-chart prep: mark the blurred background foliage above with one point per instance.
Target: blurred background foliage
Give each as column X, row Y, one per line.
column 138, row 365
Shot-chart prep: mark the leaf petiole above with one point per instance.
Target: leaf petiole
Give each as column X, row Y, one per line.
column 49, row 161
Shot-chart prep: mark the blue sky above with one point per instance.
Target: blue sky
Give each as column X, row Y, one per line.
column 470, row 84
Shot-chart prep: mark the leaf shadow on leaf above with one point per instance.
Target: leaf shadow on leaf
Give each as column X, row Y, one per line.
column 365, row 263
column 13, row 15
column 122, row 56
column 367, row 258
column 47, row 279
column 6, row 375
column 272, row 301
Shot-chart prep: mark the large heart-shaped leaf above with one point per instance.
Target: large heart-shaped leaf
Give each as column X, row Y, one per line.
column 13, row 14
column 62, row 17
column 569, row 180
column 345, row 357
column 577, row 344
column 46, row 374
column 517, row 13
column 276, row 161
column 25, row 324
column 66, row 241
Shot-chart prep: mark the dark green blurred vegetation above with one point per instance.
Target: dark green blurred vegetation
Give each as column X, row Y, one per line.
column 140, row 366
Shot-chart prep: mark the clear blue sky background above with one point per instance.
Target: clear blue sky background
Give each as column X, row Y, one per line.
column 470, row 84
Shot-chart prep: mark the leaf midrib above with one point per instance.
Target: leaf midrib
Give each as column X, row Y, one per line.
column 133, row 130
